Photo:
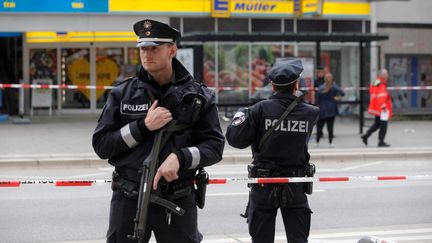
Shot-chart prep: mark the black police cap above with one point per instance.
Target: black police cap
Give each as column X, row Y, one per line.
column 154, row 33
column 285, row 72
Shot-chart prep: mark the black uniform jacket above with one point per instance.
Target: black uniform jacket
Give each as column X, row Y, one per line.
column 122, row 138
column 286, row 147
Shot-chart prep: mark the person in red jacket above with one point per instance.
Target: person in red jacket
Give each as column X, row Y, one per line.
column 381, row 107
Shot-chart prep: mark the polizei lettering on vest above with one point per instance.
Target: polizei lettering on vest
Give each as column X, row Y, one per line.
column 128, row 107
column 287, row 126
column 254, row 7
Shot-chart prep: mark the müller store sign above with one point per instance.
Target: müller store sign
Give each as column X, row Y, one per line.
column 227, row 8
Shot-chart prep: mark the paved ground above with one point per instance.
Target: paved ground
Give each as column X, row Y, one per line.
column 67, row 140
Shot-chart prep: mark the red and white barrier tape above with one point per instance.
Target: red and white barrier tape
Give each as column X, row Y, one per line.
column 101, row 87
column 54, row 86
column 17, row 183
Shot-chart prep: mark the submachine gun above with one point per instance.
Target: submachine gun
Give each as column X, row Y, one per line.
column 146, row 196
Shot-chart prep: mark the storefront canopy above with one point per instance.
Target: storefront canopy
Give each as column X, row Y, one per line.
column 276, row 37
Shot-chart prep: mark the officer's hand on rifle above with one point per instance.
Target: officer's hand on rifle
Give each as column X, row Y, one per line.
column 157, row 117
column 168, row 170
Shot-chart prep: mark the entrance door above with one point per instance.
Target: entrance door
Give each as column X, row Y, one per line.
column 75, row 70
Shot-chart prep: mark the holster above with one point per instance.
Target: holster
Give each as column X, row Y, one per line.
column 310, row 172
column 201, row 181
column 129, row 188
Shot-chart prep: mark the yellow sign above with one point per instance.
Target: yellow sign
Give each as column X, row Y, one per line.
column 50, row 37
column 194, row 7
column 346, row 8
column 220, row 9
column 311, row 7
column 217, row 8
column 107, row 72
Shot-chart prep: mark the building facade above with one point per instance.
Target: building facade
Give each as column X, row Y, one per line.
column 408, row 52
column 90, row 42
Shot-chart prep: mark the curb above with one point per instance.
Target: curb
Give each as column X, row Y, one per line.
column 229, row 157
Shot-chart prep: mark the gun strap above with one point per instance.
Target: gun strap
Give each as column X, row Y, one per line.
column 167, row 204
column 279, row 121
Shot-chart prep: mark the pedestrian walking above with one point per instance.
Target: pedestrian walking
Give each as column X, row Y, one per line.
column 163, row 93
column 328, row 95
column 277, row 130
column 380, row 106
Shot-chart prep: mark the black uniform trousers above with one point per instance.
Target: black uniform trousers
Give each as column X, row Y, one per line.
column 262, row 215
column 378, row 124
column 320, row 125
column 181, row 228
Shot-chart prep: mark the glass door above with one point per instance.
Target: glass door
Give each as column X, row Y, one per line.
column 75, row 70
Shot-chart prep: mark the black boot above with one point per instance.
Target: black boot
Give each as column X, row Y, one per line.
column 364, row 139
column 383, row 144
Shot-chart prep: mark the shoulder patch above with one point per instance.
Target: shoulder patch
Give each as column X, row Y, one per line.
column 238, row 121
column 120, row 82
column 239, row 118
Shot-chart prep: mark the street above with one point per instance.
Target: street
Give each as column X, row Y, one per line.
column 343, row 211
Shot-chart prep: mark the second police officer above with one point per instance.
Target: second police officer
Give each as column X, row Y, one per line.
column 136, row 108
column 278, row 131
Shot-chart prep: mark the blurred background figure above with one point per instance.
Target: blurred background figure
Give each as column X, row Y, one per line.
column 380, row 106
column 320, row 73
column 328, row 94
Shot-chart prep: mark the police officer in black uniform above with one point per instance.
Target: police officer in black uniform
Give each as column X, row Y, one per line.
column 136, row 108
column 283, row 153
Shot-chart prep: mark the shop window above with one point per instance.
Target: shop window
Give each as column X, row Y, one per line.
column 43, row 70
column 410, row 70
column 233, row 73
column 133, row 61
column 109, row 69
column 198, row 24
column 312, row 25
column 232, row 24
column 209, row 65
column 263, row 57
column 266, row 25
column 347, row 26
column 75, row 70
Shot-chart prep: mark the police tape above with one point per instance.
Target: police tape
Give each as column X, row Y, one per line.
column 54, row 86
column 216, row 181
column 101, row 87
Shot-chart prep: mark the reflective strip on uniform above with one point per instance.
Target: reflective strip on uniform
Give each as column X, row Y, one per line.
column 127, row 136
column 195, row 157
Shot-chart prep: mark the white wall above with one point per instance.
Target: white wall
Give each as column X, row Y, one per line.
column 412, row 11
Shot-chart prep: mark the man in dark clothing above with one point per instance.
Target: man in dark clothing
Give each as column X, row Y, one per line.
column 284, row 153
column 163, row 93
column 318, row 81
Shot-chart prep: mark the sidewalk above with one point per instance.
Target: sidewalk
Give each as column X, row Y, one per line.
column 66, row 140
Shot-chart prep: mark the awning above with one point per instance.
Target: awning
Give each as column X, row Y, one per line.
column 277, row 37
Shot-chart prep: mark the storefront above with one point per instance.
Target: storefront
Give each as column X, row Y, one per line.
column 235, row 69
